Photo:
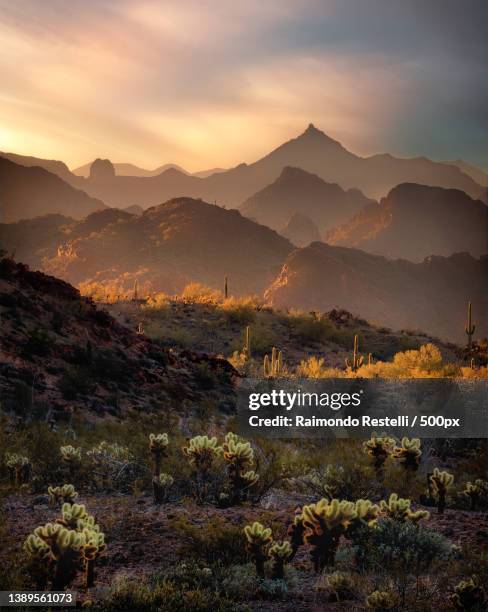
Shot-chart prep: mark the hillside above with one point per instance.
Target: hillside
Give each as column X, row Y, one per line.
column 300, row 230
column 431, row 295
column 33, row 191
column 51, row 165
column 415, row 221
column 165, row 248
column 297, row 191
column 127, row 169
column 59, row 350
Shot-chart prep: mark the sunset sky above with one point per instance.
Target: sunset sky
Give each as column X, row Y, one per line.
column 214, row 83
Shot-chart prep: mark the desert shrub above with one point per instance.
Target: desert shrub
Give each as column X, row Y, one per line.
column 157, row 304
column 263, row 338
column 201, row 294
column 240, row 310
column 215, row 542
column 308, row 328
column 401, row 548
column 158, row 592
column 315, row 367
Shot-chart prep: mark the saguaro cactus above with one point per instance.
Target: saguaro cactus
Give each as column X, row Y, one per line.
column 247, row 343
column 226, row 293
column 469, row 327
column 258, row 539
column 357, row 359
column 441, row 481
column 274, row 366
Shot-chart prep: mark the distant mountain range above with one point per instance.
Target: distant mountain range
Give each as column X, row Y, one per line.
column 312, row 151
column 297, row 191
column 166, row 247
column 431, row 295
column 28, row 192
column 122, row 169
column 415, row 221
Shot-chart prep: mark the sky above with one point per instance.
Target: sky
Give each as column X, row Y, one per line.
column 207, row 84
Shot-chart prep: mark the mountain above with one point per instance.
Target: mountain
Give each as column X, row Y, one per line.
column 431, row 295
column 415, row 221
column 165, row 248
column 55, row 167
column 205, row 173
column 300, row 230
column 297, row 191
column 477, row 174
column 59, row 351
column 33, row 191
column 125, row 169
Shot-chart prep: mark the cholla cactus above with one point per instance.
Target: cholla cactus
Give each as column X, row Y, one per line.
column 381, row 600
column 19, row 468
column 379, row 448
column 399, row 509
column 161, row 487
column 202, row 451
column 39, row 558
column 475, row 491
column 71, row 514
column 324, row 523
column 258, row 539
column 93, row 547
column 367, row 514
column 65, row 494
column 409, row 453
column 468, row 596
column 296, row 531
column 70, row 455
column 239, row 456
column 441, row 481
column 341, row 585
column 158, row 445
column 279, row 553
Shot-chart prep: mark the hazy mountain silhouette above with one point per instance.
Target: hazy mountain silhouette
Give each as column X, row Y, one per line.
column 477, row 174
column 415, row 221
column 56, row 167
column 168, row 246
column 125, row 169
column 32, row 191
column 431, row 295
column 301, row 230
column 297, row 191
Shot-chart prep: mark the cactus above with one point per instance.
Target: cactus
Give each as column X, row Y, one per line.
column 341, row 586
column 468, row 595
column 239, row 456
column 274, row 366
column 279, row 553
column 324, row 523
column 296, row 532
column 201, row 452
column 258, row 539
column 247, row 344
column 19, row 468
column 135, row 292
column 381, row 600
column 399, row 509
column 441, row 481
column 475, row 491
column 161, row 486
column 357, row 359
column 469, row 328
column 71, row 514
column 409, row 453
column 226, row 292
column 158, row 446
column 379, row 448
column 93, row 547
column 65, row 494
column 70, row 455
column 370, row 359
column 38, row 555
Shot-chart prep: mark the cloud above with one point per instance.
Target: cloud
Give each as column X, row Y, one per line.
column 206, row 83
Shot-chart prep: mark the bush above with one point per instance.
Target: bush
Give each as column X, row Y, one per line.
column 241, row 311
column 201, row 294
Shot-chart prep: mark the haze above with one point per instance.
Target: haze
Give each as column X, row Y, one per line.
column 206, row 84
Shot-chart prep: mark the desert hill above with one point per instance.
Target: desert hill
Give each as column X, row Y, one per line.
column 33, row 191
column 51, row 165
column 297, row 191
column 301, row 230
column 127, row 169
column 431, row 295
column 477, row 174
column 165, row 248
column 58, row 349
column 415, row 221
